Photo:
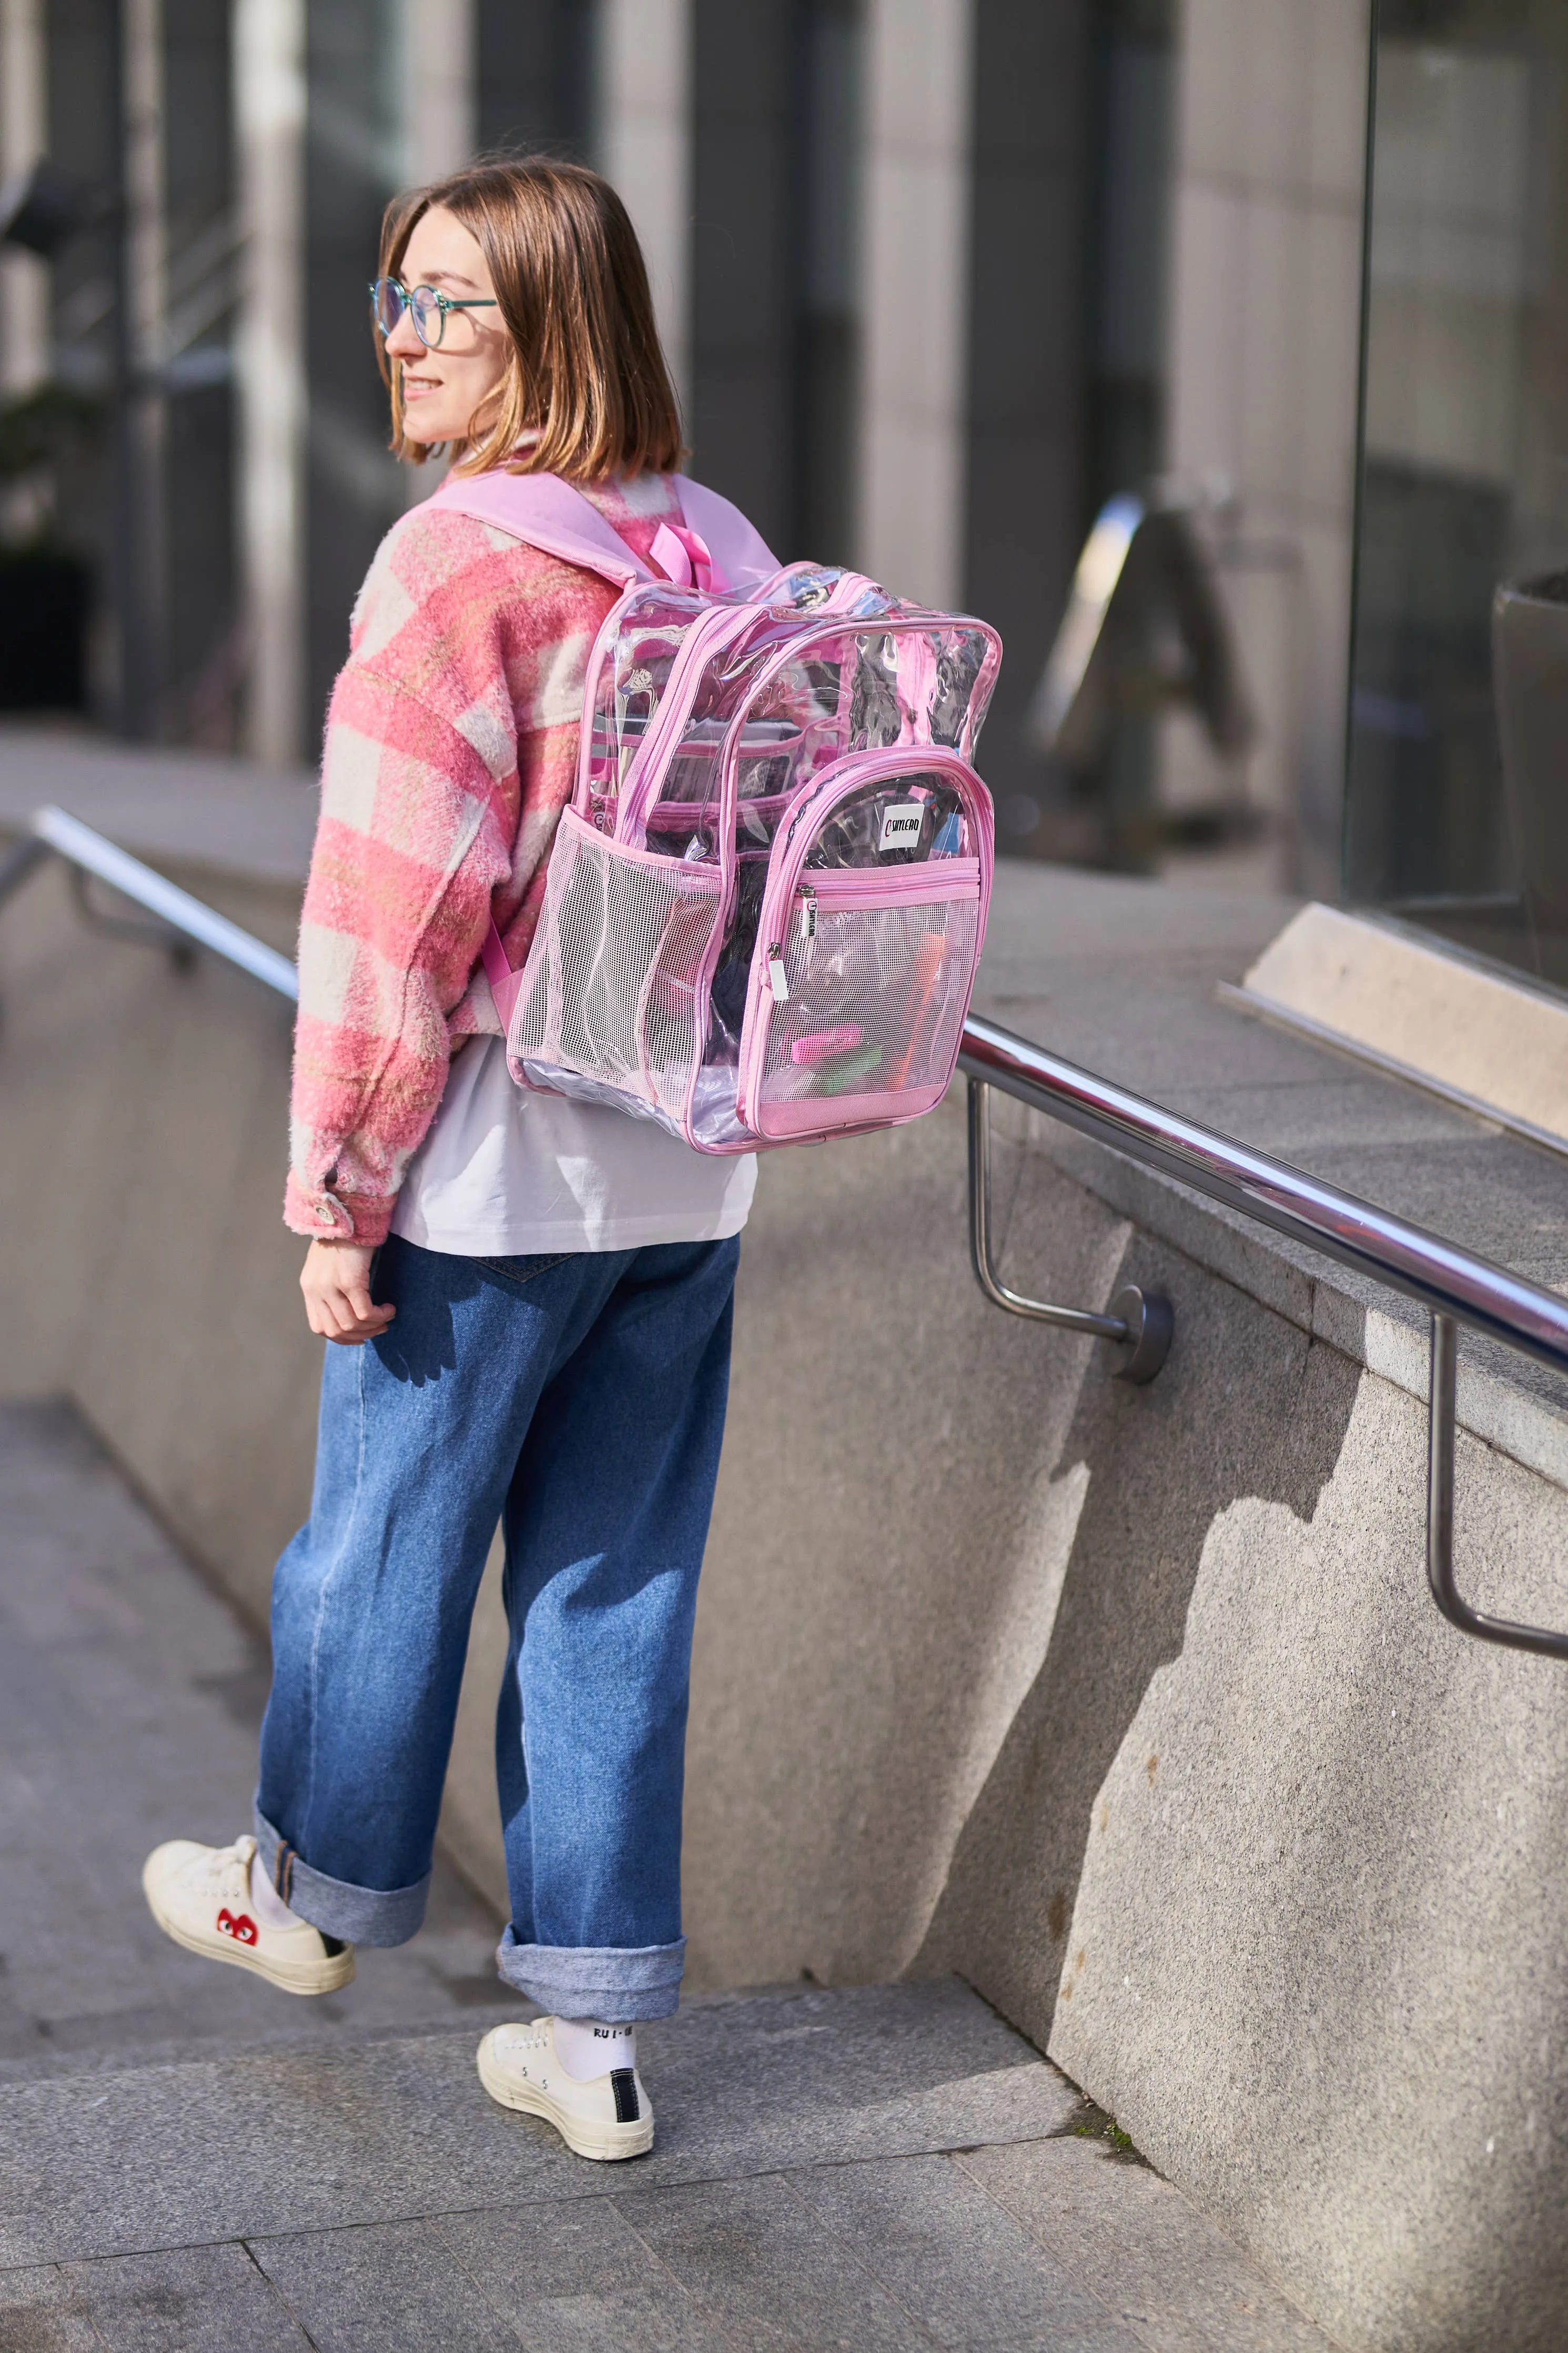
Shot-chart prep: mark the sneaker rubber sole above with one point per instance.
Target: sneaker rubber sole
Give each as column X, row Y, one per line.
column 328, row 1974
column 604, row 2143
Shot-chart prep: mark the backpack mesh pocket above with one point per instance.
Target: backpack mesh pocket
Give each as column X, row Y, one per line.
column 609, row 990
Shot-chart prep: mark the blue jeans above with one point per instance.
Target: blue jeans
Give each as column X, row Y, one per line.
column 580, row 1400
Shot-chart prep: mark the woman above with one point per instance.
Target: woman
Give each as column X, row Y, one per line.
column 529, row 1299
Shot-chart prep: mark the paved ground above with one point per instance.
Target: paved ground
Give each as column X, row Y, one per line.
column 190, row 2161
column 130, row 1696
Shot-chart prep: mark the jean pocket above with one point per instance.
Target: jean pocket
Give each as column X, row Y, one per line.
column 523, row 1270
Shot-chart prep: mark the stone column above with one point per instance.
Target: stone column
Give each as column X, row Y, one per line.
column 1030, row 314
column 439, row 45
column 741, row 415
column 1265, row 310
column 440, row 128
column 918, row 77
column 269, row 353
column 24, row 279
column 645, row 145
column 144, row 425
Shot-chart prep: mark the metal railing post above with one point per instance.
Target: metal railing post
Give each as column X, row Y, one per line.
column 1440, row 1435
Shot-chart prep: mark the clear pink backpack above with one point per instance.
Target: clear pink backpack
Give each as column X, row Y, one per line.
column 766, row 903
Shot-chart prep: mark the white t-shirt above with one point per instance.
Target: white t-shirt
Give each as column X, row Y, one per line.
column 506, row 1173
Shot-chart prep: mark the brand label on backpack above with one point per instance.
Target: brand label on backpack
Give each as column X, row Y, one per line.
column 902, row 825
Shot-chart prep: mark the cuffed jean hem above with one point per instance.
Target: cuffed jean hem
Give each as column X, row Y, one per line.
column 621, row 1984
column 360, row 1916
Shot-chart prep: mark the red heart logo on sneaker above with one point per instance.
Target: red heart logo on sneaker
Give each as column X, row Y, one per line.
column 238, row 1924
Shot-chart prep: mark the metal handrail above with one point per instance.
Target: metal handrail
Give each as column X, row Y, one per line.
column 1453, row 1284
column 56, row 830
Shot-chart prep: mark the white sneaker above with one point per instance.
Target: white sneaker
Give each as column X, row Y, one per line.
column 607, row 2116
column 200, row 1895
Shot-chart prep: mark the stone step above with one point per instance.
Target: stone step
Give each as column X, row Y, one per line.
column 877, row 2167
column 190, row 2158
column 383, row 2128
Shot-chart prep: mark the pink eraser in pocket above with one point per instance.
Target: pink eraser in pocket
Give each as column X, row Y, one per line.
column 816, row 1048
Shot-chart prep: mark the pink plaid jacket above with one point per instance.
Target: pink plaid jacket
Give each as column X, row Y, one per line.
column 451, row 748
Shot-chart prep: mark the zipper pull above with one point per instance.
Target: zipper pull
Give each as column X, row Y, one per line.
column 808, row 913
column 776, row 979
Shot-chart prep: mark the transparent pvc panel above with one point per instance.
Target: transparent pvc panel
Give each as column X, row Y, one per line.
column 733, row 974
column 774, row 751
column 902, row 820
column 876, row 996
column 1455, row 815
column 907, row 820
column 916, row 686
column 632, row 680
column 853, row 691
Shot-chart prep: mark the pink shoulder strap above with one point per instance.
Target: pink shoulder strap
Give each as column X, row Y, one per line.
column 735, row 548
column 716, row 549
column 549, row 514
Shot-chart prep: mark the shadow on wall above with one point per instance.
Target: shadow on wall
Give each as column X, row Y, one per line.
column 948, row 1555
column 1315, row 1953
column 949, row 1551
column 1156, row 1480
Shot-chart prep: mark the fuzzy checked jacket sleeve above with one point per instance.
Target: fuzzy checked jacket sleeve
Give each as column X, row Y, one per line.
column 451, row 748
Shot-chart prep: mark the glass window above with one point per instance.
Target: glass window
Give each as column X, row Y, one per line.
column 1457, row 804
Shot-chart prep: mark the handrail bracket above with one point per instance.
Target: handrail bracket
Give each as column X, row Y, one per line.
column 1143, row 1321
column 127, row 927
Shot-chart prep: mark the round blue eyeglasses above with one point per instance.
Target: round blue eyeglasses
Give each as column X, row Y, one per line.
column 390, row 300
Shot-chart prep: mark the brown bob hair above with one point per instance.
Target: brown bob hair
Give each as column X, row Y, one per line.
column 588, row 379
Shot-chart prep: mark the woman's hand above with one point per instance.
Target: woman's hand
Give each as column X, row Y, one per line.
column 335, row 1280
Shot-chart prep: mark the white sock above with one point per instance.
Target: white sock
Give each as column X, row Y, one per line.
column 266, row 1902
column 586, row 2047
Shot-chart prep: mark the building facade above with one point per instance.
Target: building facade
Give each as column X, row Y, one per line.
column 937, row 277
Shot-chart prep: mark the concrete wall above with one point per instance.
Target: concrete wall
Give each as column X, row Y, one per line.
column 1129, row 1706
column 1314, row 1964
column 146, row 1272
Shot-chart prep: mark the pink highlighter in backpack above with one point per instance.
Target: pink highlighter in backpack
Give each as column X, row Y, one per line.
column 766, row 904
